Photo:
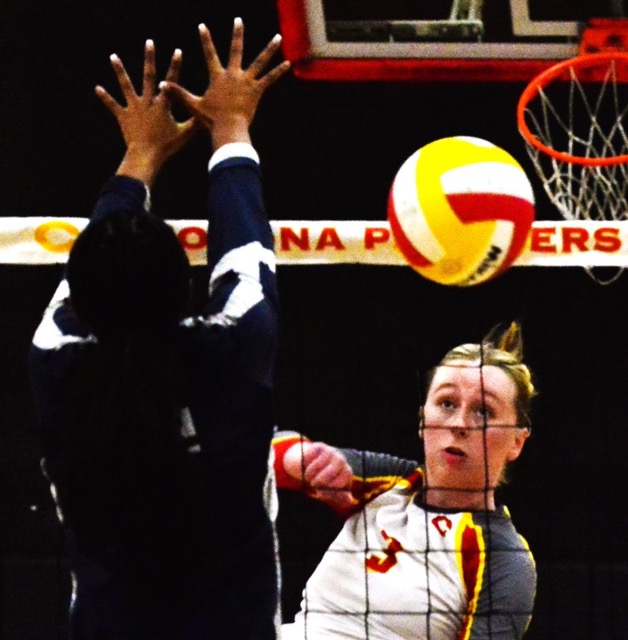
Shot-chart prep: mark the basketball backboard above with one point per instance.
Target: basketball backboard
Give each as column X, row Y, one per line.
column 430, row 40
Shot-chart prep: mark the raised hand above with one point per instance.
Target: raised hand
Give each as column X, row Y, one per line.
column 150, row 132
column 228, row 106
column 325, row 472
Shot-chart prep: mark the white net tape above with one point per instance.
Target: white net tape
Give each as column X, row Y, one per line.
column 581, row 119
column 47, row 240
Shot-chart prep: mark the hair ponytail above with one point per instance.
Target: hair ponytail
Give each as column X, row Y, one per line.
column 509, row 340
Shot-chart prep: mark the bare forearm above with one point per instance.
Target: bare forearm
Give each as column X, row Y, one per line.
column 224, row 131
column 142, row 165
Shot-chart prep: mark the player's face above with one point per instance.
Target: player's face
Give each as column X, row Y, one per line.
column 469, row 433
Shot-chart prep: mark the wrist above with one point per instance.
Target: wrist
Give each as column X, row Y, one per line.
column 141, row 164
column 233, row 150
column 224, row 131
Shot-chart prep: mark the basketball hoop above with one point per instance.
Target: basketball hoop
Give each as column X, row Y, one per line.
column 572, row 117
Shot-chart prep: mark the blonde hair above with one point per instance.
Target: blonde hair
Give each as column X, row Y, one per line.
column 503, row 349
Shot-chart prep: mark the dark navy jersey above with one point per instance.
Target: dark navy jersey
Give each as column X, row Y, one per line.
column 227, row 355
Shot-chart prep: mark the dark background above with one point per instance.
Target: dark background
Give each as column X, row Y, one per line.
column 355, row 338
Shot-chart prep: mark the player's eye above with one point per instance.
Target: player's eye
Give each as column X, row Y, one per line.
column 485, row 412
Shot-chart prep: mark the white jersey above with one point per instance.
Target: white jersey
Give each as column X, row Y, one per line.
column 399, row 570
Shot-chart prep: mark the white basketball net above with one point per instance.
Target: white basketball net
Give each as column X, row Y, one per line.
column 583, row 120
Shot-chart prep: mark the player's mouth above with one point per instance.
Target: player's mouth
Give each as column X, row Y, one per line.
column 455, row 452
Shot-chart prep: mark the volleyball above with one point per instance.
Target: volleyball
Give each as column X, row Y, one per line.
column 460, row 210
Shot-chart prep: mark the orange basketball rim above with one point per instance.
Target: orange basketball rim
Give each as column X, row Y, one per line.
column 608, row 69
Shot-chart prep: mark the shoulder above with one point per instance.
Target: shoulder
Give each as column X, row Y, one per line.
column 507, row 554
column 499, row 575
column 497, row 530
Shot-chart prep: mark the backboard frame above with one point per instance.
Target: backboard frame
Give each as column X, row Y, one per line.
column 315, row 57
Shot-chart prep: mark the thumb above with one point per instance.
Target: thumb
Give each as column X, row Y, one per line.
column 341, row 500
column 176, row 91
column 347, row 500
column 188, row 128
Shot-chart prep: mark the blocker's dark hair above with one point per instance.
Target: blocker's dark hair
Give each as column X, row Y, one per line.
column 134, row 492
column 128, row 275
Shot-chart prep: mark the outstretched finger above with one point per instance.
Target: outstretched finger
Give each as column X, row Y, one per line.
column 211, row 55
column 237, row 44
column 172, row 75
column 107, row 100
column 261, row 61
column 274, row 74
column 124, row 81
column 189, row 100
column 148, row 83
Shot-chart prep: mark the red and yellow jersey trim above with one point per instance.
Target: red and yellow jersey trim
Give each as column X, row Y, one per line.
column 281, row 444
column 471, row 560
column 369, row 488
column 364, row 489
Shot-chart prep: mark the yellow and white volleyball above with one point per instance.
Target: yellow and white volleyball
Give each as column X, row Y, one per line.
column 460, row 210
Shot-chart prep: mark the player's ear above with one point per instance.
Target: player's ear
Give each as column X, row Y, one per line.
column 521, row 436
column 421, row 422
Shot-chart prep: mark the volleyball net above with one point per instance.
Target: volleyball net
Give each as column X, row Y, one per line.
column 551, row 243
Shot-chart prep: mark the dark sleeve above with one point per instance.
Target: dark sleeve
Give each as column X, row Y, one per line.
column 240, row 319
column 506, row 601
column 57, row 344
column 120, row 194
column 501, row 597
column 241, row 243
column 369, row 465
column 237, row 215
